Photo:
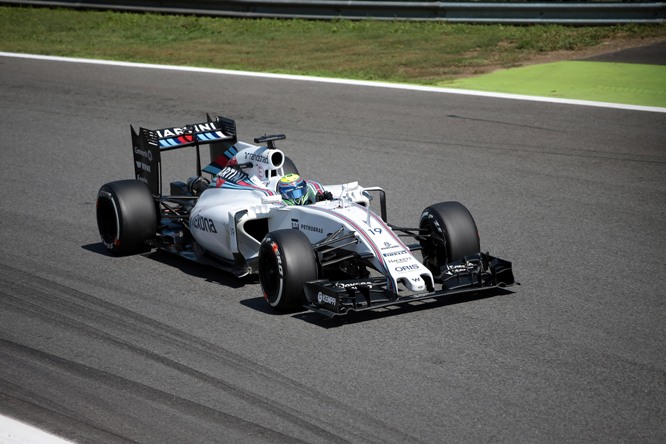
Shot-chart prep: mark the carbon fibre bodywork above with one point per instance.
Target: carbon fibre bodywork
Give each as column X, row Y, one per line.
column 473, row 274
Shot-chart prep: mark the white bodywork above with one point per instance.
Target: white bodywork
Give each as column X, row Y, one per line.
column 242, row 205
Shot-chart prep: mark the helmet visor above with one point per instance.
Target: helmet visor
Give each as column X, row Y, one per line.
column 294, row 191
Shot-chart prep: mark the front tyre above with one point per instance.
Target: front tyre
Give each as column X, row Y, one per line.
column 126, row 216
column 286, row 263
column 451, row 234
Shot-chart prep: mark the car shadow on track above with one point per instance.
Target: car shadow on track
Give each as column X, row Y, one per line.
column 211, row 274
column 428, row 304
column 260, row 305
column 97, row 247
column 208, row 273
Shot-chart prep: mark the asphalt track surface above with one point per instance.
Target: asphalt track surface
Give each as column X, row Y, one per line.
column 652, row 54
column 151, row 348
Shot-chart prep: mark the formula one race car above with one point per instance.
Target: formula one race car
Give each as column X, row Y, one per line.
column 330, row 253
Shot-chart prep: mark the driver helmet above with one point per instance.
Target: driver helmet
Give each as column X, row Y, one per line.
column 294, row 190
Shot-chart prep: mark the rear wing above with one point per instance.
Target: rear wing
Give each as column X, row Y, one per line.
column 147, row 146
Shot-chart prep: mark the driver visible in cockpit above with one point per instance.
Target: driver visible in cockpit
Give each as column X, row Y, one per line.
column 297, row 191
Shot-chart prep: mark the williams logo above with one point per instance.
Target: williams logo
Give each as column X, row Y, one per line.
column 143, row 166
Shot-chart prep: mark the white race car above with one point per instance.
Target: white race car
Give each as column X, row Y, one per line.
column 331, row 254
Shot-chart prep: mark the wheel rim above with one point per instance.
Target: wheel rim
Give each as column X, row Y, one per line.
column 435, row 253
column 269, row 275
column 107, row 222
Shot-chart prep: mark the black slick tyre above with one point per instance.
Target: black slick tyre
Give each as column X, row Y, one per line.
column 451, row 234
column 286, row 263
column 126, row 216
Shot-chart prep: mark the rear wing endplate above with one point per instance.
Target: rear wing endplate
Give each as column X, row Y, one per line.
column 147, row 146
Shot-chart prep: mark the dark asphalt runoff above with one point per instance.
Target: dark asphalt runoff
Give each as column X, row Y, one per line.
column 652, row 54
column 153, row 349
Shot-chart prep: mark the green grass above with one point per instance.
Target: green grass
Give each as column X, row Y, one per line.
column 413, row 52
column 634, row 84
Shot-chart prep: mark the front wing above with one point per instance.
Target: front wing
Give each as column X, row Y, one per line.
column 476, row 273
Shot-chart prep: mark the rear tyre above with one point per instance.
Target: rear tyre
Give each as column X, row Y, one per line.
column 453, row 234
column 286, row 263
column 126, row 216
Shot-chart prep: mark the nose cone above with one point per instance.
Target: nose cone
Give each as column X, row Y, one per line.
column 414, row 283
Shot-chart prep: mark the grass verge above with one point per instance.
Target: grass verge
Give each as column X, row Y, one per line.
column 635, row 84
column 413, row 52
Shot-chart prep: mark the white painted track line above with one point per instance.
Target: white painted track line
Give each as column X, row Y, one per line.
column 401, row 86
column 16, row 432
